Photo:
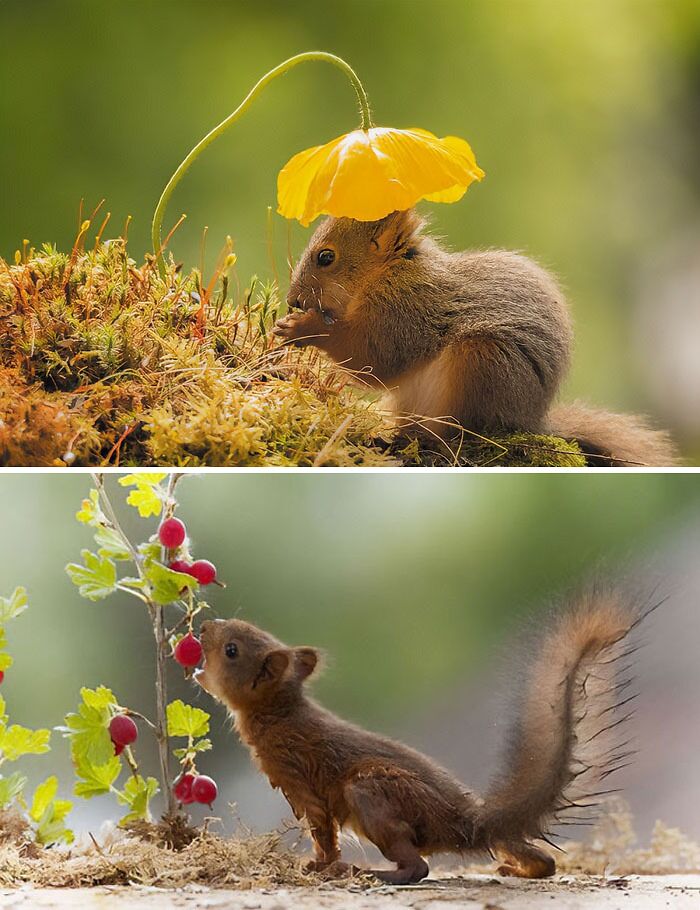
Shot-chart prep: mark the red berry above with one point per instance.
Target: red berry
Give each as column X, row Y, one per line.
column 118, row 748
column 2, row 675
column 203, row 570
column 188, row 651
column 172, row 533
column 204, row 790
column 183, row 788
column 180, row 565
column 123, row 730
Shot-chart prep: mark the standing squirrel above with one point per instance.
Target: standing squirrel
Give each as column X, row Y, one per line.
column 477, row 338
column 335, row 774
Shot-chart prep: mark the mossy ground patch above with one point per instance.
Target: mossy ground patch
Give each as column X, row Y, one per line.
column 105, row 362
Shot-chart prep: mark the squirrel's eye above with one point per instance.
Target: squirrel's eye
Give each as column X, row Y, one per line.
column 325, row 257
column 231, row 650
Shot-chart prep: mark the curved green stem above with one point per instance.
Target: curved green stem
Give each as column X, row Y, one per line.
column 308, row 56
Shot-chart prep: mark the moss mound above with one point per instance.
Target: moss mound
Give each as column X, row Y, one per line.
column 105, row 362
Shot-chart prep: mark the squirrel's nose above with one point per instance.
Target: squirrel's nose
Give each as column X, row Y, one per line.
column 209, row 623
column 293, row 302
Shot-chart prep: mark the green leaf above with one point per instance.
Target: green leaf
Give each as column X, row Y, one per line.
column 11, row 787
column 51, row 829
column 150, row 549
column 97, row 779
column 137, row 794
column 6, row 660
column 49, row 814
column 91, row 744
column 13, row 605
column 97, row 579
column 165, row 585
column 16, row 741
column 43, row 795
column 90, row 512
column 111, row 543
column 185, row 720
column 202, row 746
column 147, row 495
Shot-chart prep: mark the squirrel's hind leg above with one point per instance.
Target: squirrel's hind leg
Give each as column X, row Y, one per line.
column 524, row 861
column 378, row 817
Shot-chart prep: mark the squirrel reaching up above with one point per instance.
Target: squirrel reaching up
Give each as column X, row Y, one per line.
column 335, row 774
column 478, row 338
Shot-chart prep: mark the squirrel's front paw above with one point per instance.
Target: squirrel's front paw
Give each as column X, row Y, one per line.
column 300, row 326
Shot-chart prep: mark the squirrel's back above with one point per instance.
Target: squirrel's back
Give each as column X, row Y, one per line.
column 477, row 341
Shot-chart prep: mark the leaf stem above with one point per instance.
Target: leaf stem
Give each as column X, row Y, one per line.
column 285, row 66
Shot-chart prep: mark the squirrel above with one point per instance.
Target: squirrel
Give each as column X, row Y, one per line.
column 335, row 774
column 478, row 339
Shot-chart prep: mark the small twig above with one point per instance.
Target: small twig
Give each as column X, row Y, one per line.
column 98, row 480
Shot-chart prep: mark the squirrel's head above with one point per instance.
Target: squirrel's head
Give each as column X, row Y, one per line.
column 345, row 257
column 245, row 667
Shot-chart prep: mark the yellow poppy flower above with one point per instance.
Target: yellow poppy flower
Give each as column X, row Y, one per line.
column 369, row 173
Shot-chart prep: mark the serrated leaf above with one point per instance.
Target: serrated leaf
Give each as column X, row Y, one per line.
column 49, row 814
column 150, row 549
column 16, row 741
column 43, row 795
column 137, row 794
column 97, row 579
column 6, row 660
column 186, row 720
column 51, row 829
column 110, row 543
column 13, row 605
column 97, row 779
column 91, row 744
column 90, row 512
column 133, row 582
column 204, row 745
column 11, row 787
column 147, row 495
column 164, row 584
column 101, row 697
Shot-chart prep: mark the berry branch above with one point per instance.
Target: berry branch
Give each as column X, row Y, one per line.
column 103, row 732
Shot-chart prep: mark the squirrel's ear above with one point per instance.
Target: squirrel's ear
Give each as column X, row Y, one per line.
column 395, row 234
column 273, row 667
column 306, row 661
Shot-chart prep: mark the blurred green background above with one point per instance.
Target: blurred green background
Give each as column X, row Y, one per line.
column 585, row 116
column 411, row 582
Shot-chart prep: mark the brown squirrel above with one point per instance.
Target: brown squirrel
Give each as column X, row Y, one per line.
column 477, row 338
column 335, row 774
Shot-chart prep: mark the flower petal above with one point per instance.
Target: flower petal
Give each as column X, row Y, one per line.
column 368, row 174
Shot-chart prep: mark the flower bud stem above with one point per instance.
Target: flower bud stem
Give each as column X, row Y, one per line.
column 309, row 56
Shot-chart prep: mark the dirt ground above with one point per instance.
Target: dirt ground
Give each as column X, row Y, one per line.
column 472, row 892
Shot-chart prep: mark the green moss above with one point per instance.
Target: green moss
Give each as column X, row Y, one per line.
column 102, row 361
column 515, row 450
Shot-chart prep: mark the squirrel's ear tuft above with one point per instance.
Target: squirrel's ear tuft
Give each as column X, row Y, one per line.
column 394, row 235
column 306, row 661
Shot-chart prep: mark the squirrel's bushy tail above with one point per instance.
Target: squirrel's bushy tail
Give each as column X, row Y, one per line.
column 568, row 738
column 612, row 440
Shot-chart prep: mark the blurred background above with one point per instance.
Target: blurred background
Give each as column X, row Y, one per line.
column 414, row 584
column 585, row 117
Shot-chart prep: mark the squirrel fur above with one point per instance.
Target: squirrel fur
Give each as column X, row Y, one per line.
column 337, row 775
column 480, row 340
